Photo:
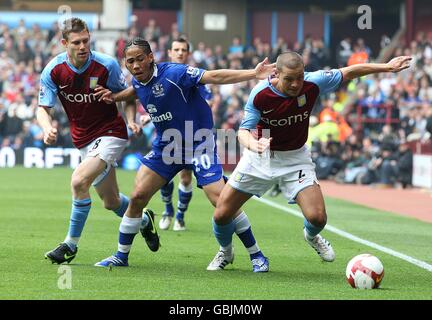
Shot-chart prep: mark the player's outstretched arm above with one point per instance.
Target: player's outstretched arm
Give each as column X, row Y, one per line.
column 358, row 70
column 43, row 116
column 104, row 94
column 130, row 114
column 224, row 76
column 248, row 141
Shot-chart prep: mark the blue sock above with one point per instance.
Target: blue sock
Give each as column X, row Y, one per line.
column 124, row 202
column 249, row 242
column 312, row 230
column 79, row 214
column 185, row 196
column 125, row 239
column 166, row 195
column 223, row 233
column 129, row 227
column 244, row 232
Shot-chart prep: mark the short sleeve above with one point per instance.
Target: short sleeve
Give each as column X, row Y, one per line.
column 116, row 80
column 47, row 89
column 251, row 115
column 189, row 76
column 326, row 80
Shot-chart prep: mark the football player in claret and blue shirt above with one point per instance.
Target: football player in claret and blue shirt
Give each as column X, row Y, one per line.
column 282, row 107
column 97, row 128
column 168, row 92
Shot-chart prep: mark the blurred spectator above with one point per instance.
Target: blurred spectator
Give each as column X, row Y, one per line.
column 151, row 32
column 24, row 51
column 404, row 165
column 380, row 171
column 429, row 124
column 236, row 49
column 328, row 163
column 120, row 46
column 385, row 41
column 387, row 137
column 198, row 54
column 13, row 125
column 359, row 55
column 344, row 52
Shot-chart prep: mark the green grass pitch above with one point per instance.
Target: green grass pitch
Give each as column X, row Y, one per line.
column 34, row 215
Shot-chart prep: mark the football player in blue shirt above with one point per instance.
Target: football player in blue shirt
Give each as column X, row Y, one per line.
column 185, row 139
column 179, row 53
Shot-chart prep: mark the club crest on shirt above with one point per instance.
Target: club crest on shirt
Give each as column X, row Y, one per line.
column 93, row 82
column 301, row 101
column 238, row 177
column 158, row 90
column 151, row 108
column 42, row 90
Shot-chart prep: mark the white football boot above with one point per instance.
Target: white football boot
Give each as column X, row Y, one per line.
column 165, row 222
column 321, row 246
column 179, row 225
column 220, row 261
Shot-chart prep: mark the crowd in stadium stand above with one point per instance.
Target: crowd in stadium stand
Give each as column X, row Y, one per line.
column 370, row 122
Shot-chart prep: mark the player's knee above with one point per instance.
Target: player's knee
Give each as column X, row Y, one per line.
column 186, row 180
column 221, row 215
column 80, row 183
column 319, row 219
column 139, row 197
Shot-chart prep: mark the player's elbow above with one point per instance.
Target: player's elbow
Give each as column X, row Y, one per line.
column 348, row 73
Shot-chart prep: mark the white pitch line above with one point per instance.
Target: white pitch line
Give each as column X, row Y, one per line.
column 352, row 237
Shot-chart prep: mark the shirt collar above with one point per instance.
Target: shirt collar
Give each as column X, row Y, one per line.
column 84, row 67
column 155, row 74
column 273, row 88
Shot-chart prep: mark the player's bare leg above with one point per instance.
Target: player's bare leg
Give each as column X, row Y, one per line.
column 186, row 177
column 147, row 183
column 84, row 175
column 81, row 180
column 311, row 202
column 108, row 191
column 184, row 197
column 229, row 218
column 214, row 190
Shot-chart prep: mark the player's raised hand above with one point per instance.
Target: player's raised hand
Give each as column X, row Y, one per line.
column 50, row 136
column 135, row 127
column 399, row 63
column 104, row 94
column 264, row 69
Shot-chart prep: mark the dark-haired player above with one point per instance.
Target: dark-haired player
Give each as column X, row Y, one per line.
column 179, row 53
column 97, row 130
column 185, row 139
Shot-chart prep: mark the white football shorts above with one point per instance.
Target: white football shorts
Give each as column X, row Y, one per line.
column 293, row 170
column 109, row 149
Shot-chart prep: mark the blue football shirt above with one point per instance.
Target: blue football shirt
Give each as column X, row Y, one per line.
column 173, row 100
